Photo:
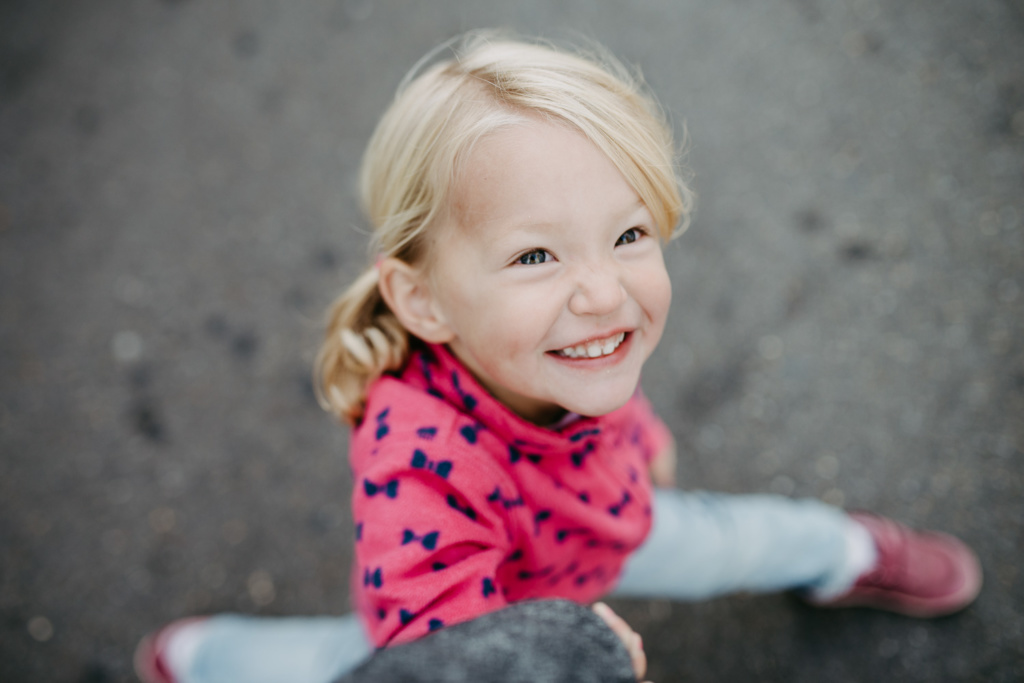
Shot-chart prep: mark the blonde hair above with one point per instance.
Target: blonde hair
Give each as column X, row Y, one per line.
column 413, row 158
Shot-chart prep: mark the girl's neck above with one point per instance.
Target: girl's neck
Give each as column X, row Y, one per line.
column 540, row 414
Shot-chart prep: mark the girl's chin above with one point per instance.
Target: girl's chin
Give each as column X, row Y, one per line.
column 592, row 406
column 547, row 414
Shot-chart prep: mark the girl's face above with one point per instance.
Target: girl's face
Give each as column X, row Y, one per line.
column 549, row 275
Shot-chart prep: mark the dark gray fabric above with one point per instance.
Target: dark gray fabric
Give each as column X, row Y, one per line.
column 545, row 641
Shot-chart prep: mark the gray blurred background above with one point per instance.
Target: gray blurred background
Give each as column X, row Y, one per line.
column 177, row 208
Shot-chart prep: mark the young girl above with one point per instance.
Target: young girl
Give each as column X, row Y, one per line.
column 489, row 361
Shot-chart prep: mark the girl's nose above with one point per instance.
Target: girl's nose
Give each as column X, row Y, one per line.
column 598, row 291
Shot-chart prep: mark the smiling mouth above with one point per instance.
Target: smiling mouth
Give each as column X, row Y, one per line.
column 593, row 349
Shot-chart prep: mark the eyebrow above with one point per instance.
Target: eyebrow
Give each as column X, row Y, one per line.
column 627, row 212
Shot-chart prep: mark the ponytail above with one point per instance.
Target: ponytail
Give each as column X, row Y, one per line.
column 364, row 340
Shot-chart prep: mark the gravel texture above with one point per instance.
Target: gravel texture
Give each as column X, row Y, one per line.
column 177, row 208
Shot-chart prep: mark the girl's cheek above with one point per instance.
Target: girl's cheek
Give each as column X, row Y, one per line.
column 655, row 290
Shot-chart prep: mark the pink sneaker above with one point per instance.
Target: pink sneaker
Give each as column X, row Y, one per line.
column 151, row 662
column 918, row 573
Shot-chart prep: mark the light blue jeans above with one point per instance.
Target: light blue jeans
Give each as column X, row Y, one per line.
column 702, row 545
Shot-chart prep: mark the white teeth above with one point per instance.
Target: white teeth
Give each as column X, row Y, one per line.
column 595, row 349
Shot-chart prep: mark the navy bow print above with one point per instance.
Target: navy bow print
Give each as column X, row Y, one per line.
column 515, row 455
column 427, row 358
column 542, row 516
column 507, row 503
column 428, row 541
column 420, row 461
column 563, row 534
column 373, row 578
column 634, row 436
column 568, row 571
column 525, row 575
column 469, row 433
column 579, row 456
column 382, row 426
column 584, row 434
column 468, row 400
column 467, row 510
column 390, row 489
column 597, row 573
column 617, row 508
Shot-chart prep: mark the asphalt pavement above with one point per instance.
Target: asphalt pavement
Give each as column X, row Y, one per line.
column 178, row 207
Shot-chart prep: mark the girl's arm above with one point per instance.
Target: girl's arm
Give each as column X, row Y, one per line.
column 663, row 466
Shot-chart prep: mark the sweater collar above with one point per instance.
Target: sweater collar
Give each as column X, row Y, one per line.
column 442, row 375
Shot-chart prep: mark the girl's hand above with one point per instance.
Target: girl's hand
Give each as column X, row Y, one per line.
column 630, row 638
column 663, row 467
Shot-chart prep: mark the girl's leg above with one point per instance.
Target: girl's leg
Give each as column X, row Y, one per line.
column 228, row 648
column 705, row 544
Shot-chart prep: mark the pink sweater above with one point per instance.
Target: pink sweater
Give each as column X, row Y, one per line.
column 462, row 507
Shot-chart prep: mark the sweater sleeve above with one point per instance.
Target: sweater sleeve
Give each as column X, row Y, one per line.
column 549, row 640
column 428, row 540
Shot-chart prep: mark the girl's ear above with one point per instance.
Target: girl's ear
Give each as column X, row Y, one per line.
column 406, row 291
